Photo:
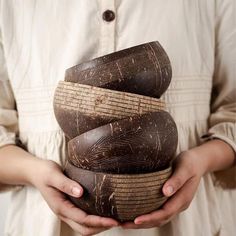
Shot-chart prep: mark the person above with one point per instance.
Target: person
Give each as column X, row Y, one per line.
column 39, row 40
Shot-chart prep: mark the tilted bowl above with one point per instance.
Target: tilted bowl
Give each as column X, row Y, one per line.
column 144, row 69
column 79, row 108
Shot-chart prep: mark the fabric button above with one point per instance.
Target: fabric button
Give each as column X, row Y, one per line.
column 108, row 15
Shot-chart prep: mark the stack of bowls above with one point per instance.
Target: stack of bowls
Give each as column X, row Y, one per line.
column 121, row 140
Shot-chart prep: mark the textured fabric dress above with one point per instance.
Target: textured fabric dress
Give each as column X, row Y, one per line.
column 40, row 39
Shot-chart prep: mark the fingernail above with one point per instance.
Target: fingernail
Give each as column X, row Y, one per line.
column 76, row 191
column 138, row 222
column 169, row 190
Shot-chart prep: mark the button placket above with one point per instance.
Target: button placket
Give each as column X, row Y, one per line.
column 108, row 23
column 108, row 15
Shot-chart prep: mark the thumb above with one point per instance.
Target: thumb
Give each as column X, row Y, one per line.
column 176, row 181
column 66, row 185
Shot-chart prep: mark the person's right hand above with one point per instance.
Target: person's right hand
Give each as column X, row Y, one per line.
column 53, row 185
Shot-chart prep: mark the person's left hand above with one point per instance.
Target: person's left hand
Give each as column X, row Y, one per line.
column 181, row 187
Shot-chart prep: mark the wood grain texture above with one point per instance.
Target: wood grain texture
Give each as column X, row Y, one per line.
column 144, row 69
column 121, row 141
column 80, row 108
column 123, row 197
column 138, row 144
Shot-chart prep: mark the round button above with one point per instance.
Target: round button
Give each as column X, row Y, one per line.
column 108, row 15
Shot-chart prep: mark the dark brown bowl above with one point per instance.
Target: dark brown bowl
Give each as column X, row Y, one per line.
column 144, row 69
column 79, row 108
column 140, row 144
column 123, row 197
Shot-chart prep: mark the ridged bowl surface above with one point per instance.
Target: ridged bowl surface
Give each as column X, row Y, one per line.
column 79, row 108
column 122, row 197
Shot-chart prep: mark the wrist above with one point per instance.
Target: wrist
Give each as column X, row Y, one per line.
column 199, row 165
column 18, row 167
column 201, row 160
column 214, row 155
column 34, row 171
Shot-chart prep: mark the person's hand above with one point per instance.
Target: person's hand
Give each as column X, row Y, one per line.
column 18, row 167
column 189, row 167
column 181, row 188
column 53, row 185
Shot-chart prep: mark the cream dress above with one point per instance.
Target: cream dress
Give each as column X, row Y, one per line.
column 40, row 39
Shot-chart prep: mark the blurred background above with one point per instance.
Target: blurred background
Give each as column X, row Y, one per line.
column 4, row 203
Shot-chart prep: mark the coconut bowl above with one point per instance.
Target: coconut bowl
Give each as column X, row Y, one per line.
column 122, row 197
column 144, row 69
column 79, row 108
column 137, row 144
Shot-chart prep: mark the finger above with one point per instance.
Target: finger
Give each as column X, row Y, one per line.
column 81, row 217
column 129, row 224
column 134, row 226
column 182, row 199
column 68, row 210
column 65, row 185
column 91, row 220
column 84, row 230
column 177, row 180
column 156, row 217
column 179, row 202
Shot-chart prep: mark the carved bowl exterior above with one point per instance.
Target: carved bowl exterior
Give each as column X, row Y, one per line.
column 79, row 108
column 144, row 69
column 122, row 197
column 137, row 144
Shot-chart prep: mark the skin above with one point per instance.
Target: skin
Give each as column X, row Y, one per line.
column 20, row 167
column 190, row 167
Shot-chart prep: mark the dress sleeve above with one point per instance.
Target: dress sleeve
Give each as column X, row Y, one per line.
column 8, row 113
column 223, row 104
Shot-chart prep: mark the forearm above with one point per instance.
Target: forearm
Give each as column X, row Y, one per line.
column 17, row 167
column 215, row 154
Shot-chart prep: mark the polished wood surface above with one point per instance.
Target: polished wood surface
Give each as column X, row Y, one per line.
column 122, row 197
column 144, row 69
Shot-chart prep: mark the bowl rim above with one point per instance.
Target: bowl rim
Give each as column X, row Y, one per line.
column 97, row 91
column 89, row 64
column 116, row 104
column 164, row 172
